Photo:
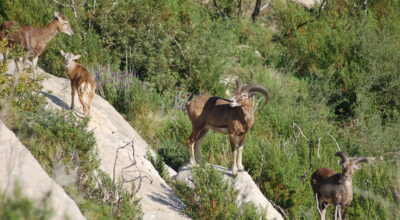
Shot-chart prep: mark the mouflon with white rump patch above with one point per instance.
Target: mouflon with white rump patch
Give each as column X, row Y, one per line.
column 81, row 81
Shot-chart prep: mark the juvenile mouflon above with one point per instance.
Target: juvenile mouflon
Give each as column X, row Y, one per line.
column 33, row 39
column 81, row 81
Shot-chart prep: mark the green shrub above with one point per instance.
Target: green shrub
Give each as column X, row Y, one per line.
column 212, row 197
column 18, row 207
column 158, row 164
column 174, row 154
column 21, row 92
column 337, row 75
column 110, row 201
column 345, row 53
column 59, row 135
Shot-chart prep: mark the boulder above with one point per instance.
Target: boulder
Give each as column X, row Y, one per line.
column 121, row 150
column 307, row 3
column 19, row 168
column 248, row 190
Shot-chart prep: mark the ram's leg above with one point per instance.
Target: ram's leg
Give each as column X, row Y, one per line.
column 83, row 102
column 5, row 55
column 34, row 64
column 24, row 59
column 18, row 64
column 337, row 212
column 72, row 96
column 323, row 206
column 240, row 153
column 345, row 211
column 200, row 136
column 191, row 143
column 234, row 140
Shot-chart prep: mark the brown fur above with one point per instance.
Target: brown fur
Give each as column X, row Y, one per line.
column 78, row 76
column 219, row 114
column 335, row 188
column 32, row 39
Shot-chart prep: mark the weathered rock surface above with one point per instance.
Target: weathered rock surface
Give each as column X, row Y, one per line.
column 112, row 133
column 123, row 156
column 19, row 168
column 307, row 3
column 248, row 190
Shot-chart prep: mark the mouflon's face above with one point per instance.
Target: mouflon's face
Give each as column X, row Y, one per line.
column 349, row 168
column 63, row 24
column 242, row 96
column 69, row 57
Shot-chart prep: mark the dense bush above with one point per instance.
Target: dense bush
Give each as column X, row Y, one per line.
column 213, row 198
column 59, row 136
column 18, row 207
column 348, row 52
column 324, row 85
column 21, row 92
column 55, row 137
column 331, row 72
column 58, row 139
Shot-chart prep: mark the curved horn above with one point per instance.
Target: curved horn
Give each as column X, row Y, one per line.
column 360, row 160
column 238, row 83
column 259, row 89
column 342, row 155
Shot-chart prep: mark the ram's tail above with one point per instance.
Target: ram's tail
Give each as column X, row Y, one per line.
column 85, row 90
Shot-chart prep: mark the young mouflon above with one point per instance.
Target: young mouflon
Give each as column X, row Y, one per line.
column 33, row 39
column 81, row 81
column 335, row 188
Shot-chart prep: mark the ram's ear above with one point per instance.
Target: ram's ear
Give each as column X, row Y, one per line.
column 62, row 52
column 76, row 57
column 57, row 15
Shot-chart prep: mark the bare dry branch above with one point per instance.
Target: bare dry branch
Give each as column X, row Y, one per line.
column 72, row 5
column 280, row 209
column 337, row 144
column 133, row 163
column 319, row 147
column 61, row 3
column 265, row 5
column 261, row 164
column 301, row 132
column 319, row 210
column 220, row 12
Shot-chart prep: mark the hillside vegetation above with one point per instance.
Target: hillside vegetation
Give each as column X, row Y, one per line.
column 332, row 72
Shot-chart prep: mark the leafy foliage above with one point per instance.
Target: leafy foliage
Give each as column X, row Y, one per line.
column 53, row 136
column 17, row 207
column 330, row 71
column 212, row 197
column 59, row 136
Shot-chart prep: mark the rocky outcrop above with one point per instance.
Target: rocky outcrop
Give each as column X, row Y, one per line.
column 122, row 155
column 307, row 3
column 248, row 190
column 19, row 168
column 121, row 150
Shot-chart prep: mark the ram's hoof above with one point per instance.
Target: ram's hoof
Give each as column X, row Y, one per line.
column 234, row 171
